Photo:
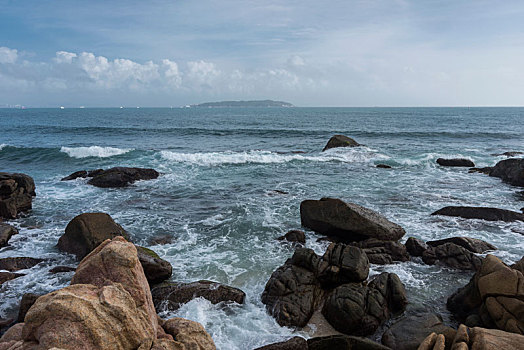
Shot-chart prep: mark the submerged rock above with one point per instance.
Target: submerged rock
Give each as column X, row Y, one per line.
column 18, row 263
column 510, row 171
column 16, row 194
column 455, row 162
column 340, row 141
column 6, row 231
column 484, row 213
column 383, row 166
column 485, row 170
column 114, row 177
column 347, row 221
column 295, row 236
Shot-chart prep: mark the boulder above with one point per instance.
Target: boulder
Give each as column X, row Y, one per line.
column 410, row 331
column 359, row 310
column 6, row 231
column 295, row 343
column 343, row 342
column 7, row 276
column 510, row 171
column 472, row 244
column 62, row 269
column 189, row 333
column 458, row 162
column 172, row 295
column 16, row 194
column 484, row 213
column 28, row 299
column 342, row 264
column 452, row 255
column 383, row 166
column 350, row 222
column 295, row 236
column 18, row 263
column 77, row 174
column 383, row 252
column 155, row 268
column 415, row 246
column 122, row 177
column 340, row 141
column 494, row 297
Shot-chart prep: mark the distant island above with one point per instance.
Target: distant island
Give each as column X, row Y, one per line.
column 257, row 103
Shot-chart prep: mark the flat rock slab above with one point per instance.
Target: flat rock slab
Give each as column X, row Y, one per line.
column 455, row 162
column 114, row 177
column 348, row 221
column 483, row 213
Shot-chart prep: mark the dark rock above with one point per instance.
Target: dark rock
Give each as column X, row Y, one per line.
column 359, row 310
column 340, row 141
column 6, row 231
column 455, row 162
column 484, row 213
column 122, row 177
column 7, row 276
column 508, row 154
column 343, row 342
column 384, row 166
column 86, row 231
column 493, row 297
column 5, row 322
column 75, row 175
column 410, row 331
column 472, row 244
column 295, row 343
column 510, row 171
column 485, row 170
column 60, row 269
column 383, row 252
column 292, row 289
column 16, row 194
column 348, row 221
column 342, row 264
column 28, row 299
column 453, row 256
column 163, row 239
column 415, row 246
column 155, row 268
column 18, row 263
column 295, row 236
column 171, row 295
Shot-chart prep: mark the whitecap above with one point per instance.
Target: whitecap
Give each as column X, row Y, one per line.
column 93, row 151
column 2, row 145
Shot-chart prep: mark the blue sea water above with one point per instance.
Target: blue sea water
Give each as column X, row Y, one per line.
column 216, row 196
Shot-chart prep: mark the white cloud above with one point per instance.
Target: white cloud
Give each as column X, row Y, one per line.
column 8, row 55
column 65, row 57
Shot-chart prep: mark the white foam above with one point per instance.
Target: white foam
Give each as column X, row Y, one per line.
column 93, row 151
column 267, row 157
column 2, row 146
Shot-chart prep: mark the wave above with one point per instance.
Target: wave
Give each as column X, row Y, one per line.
column 93, row 151
column 266, row 157
column 2, row 145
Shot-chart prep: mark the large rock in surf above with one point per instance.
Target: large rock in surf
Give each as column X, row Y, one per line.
column 16, row 194
column 155, row 268
column 452, row 255
column 340, row 141
column 458, row 162
column 114, row 177
column 18, row 263
column 474, row 245
column 382, row 252
column 172, row 295
column 294, row 236
column 6, row 231
column 494, row 297
column 347, row 221
column 510, row 171
column 191, row 334
column 484, row 213
column 415, row 246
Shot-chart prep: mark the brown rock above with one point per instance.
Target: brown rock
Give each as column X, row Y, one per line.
column 484, row 213
column 190, row 333
column 61, row 269
column 383, row 252
column 342, row 264
column 16, row 194
column 18, row 263
column 6, row 231
column 472, row 244
column 155, row 268
column 340, row 141
column 452, row 255
column 7, row 276
column 295, row 236
column 28, row 299
column 295, row 343
column 343, row 342
column 415, row 246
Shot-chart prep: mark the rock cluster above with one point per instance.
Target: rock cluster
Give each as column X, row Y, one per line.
column 16, row 194
column 114, row 177
column 340, row 141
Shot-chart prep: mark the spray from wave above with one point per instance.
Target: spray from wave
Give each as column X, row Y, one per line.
column 93, row 151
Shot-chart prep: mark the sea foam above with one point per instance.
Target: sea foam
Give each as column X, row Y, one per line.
column 93, row 151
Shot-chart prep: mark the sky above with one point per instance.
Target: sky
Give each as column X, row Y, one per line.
column 310, row 53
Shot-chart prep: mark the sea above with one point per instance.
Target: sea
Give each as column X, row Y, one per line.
column 232, row 180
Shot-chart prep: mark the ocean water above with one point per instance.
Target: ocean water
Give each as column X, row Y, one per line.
column 216, row 196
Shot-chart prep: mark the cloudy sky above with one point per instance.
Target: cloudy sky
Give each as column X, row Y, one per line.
column 310, row 53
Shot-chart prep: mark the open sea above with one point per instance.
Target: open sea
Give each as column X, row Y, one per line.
column 232, row 182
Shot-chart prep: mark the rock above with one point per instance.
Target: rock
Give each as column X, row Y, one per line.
column 86, row 231
column 172, row 295
column 190, row 333
column 18, row 263
column 295, row 236
column 343, row 342
column 16, row 194
column 510, row 171
column 28, row 299
column 75, row 175
column 452, row 255
column 6, row 231
column 383, row 252
column 163, row 239
column 348, row 221
column 4, row 322
column 61, row 269
column 340, row 141
column 456, row 162
column 410, row 331
column 485, row 170
column 342, row 264
column 495, row 294
column 415, row 246
column 122, row 177
column 384, row 166
column 155, row 268
column 295, row 343
column 508, row 154
column 484, row 213
column 7, row 276
column 359, row 310
column 472, row 244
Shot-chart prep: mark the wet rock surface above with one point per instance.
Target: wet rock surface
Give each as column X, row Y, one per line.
column 16, row 194
column 295, row 343
column 294, row 236
column 455, row 162
column 451, row 255
column 510, row 171
column 484, row 213
column 6, row 232
column 18, row 263
column 114, row 177
column 340, row 141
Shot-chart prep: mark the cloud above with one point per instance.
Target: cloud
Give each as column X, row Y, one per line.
column 65, row 57
column 8, row 55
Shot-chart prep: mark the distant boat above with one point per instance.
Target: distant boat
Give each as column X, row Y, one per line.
column 62, row 107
